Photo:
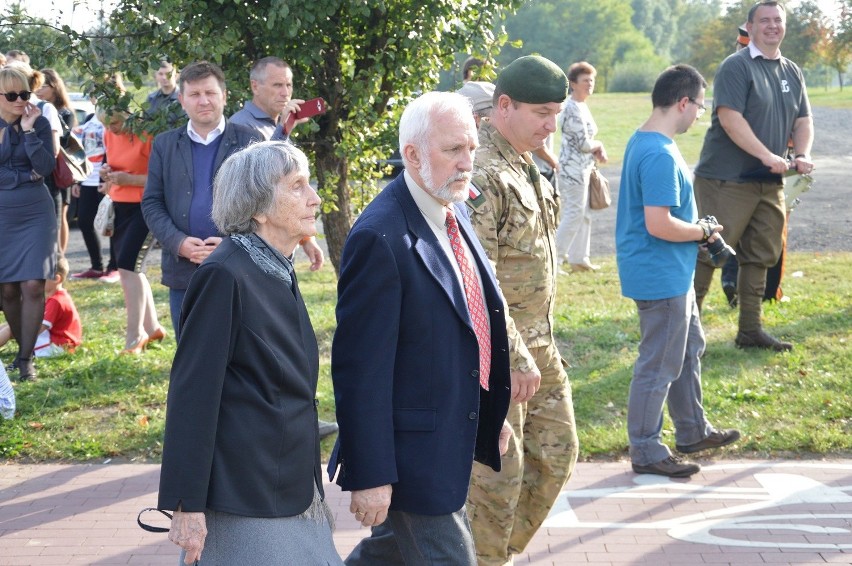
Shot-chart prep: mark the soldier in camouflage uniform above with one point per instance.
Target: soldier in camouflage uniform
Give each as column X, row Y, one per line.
column 515, row 211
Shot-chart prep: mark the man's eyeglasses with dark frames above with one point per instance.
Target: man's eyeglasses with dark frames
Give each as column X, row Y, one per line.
column 701, row 108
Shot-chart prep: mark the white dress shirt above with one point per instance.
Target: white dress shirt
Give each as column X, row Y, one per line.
column 211, row 137
column 435, row 215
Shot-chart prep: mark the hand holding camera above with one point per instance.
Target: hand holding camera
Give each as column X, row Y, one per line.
column 719, row 250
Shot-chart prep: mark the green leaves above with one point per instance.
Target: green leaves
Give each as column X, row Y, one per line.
column 358, row 55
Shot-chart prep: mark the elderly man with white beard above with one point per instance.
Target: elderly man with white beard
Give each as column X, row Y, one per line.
column 420, row 359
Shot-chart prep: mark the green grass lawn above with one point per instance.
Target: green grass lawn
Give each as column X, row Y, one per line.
column 618, row 115
column 96, row 404
column 832, row 97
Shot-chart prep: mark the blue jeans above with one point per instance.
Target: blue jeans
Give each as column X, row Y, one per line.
column 417, row 540
column 175, row 301
column 667, row 372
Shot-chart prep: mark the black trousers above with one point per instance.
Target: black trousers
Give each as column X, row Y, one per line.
column 87, row 208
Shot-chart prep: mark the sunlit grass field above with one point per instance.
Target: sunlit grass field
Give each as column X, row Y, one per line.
column 96, row 404
column 618, row 115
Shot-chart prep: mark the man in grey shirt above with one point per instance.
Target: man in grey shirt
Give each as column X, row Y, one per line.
column 760, row 102
column 272, row 99
column 267, row 111
column 271, row 103
column 165, row 98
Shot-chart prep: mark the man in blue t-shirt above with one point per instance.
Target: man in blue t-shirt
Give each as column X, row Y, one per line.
column 656, row 238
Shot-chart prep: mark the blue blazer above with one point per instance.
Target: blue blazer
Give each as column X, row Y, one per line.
column 168, row 193
column 405, row 361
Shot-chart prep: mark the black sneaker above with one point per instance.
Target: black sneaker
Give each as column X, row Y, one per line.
column 26, row 369
column 673, row 467
column 715, row 439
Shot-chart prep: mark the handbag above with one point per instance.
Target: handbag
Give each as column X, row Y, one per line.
column 105, row 217
column 71, row 164
column 599, row 197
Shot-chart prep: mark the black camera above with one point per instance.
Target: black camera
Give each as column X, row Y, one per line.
column 718, row 249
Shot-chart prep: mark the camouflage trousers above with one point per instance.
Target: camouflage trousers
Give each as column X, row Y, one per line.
column 507, row 508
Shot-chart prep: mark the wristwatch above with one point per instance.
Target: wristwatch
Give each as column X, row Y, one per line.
column 30, row 131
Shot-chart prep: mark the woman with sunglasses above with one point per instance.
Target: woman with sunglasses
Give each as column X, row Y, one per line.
column 35, row 80
column 27, row 221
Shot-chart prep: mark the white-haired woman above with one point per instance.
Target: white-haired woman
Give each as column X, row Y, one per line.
column 241, row 460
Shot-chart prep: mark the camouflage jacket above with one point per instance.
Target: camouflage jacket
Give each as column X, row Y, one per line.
column 514, row 211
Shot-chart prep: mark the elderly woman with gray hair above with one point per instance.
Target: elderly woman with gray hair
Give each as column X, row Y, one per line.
column 241, row 458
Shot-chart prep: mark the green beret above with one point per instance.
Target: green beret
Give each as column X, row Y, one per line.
column 534, row 80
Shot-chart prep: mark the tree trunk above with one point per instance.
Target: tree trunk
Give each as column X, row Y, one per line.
column 332, row 179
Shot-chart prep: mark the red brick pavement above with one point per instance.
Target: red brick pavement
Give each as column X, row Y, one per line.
column 736, row 513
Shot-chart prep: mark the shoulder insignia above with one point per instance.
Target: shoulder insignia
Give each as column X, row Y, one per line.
column 475, row 196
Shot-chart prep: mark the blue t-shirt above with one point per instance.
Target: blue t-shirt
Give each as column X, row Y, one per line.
column 653, row 174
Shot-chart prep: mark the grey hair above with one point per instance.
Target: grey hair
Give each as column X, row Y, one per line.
column 258, row 70
column 246, row 183
column 418, row 116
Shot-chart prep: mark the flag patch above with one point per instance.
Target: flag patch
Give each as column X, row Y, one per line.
column 475, row 196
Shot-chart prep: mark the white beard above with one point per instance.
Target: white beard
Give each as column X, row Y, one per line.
column 445, row 192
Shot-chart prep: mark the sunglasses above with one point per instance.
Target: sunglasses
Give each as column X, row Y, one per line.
column 13, row 96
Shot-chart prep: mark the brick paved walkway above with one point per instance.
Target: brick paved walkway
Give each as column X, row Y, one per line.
column 737, row 513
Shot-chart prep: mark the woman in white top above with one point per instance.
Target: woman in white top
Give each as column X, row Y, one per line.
column 577, row 158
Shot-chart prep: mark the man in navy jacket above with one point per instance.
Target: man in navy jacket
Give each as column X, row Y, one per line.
column 179, row 191
column 416, row 402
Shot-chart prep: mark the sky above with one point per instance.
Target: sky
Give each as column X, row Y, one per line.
column 81, row 14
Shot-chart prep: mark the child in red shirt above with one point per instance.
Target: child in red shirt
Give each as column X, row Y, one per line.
column 61, row 330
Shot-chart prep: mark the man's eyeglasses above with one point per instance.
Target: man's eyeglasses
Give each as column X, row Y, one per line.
column 13, row 96
column 701, row 108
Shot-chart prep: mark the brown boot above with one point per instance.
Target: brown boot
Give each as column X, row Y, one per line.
column 760, row 339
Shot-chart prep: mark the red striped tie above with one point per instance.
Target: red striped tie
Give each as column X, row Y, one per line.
column 475, row 303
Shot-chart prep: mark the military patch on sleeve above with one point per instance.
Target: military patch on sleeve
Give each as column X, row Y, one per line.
column 474, row 196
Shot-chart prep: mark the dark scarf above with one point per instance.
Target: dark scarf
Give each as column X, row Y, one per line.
column 267, row 258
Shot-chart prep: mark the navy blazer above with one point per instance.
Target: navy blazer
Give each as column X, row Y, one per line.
column 405, row 361
column 168, row 193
